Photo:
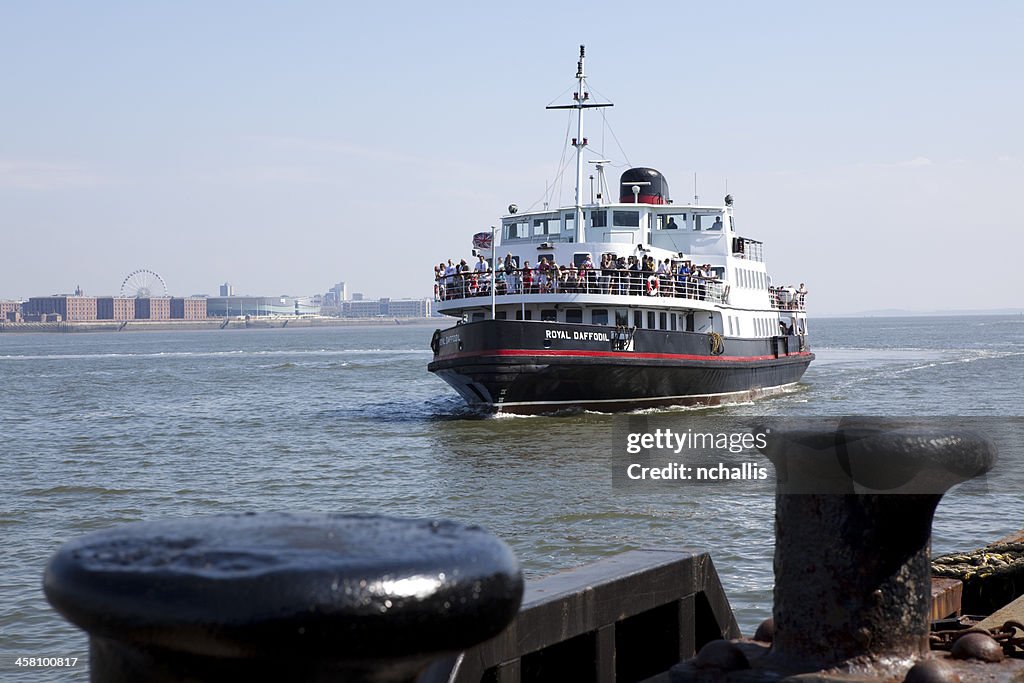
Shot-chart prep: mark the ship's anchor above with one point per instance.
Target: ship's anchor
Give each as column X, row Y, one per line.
column 717, row 344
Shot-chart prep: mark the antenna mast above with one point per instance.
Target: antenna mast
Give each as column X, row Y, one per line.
column 580, row 98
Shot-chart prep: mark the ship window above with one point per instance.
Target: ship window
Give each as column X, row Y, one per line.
column 549, row 315
column 707, row 222
column 729, row 318
column 478, row 317
column 574, row 315
column 599, row 219
column 546, row 226
column 570, row 220
column 675, row 322
column 579, row 257
column 519, row 315
column 638, row 319
column 599, row 316
column 501, row 315
column 626, row 219
column 516, row 230
column 621, row 317
column 663, row 321
column 667, row 221
column 650, row 320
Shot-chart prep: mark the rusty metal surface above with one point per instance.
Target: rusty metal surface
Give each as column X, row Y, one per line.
column 966, row 671
column 946, row 598
column 1012, row 612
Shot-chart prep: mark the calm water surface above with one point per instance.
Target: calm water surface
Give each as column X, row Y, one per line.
column 104, row 428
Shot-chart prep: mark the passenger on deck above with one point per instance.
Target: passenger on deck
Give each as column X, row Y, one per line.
column 543, row 276
column 621, row 276
column 607, row 273
column 800, row 294
column 511, row 279
column 449, row 279
column 683, row 280
column 636, row 275
column 664, row 267
column 527, row 275
column 586, row 273
column 572, row 282
column 482, row 272
column 464, row 277
column 439, row 282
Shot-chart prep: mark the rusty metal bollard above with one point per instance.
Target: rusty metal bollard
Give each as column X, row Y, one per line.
column 853, row 514
column 275, row 597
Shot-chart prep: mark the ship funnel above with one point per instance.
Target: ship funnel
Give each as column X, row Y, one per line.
column 653, row 187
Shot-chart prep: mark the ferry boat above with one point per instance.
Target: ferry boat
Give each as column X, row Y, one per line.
column 616, row 305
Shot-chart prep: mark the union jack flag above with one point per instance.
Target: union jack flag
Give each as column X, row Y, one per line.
column 482, row 240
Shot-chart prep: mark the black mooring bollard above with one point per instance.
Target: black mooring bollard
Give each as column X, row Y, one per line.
column 282, row 597
column 853, row 514
column 852, row 572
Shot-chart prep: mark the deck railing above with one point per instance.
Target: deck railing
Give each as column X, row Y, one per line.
column 786, row 298
column 466, row 284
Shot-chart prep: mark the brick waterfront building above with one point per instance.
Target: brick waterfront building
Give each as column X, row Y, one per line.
column 115, row 308
column 188, row 308
column 154, row 308
column 69, row 308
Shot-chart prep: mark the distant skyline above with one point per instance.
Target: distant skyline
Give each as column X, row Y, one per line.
column 875, row 148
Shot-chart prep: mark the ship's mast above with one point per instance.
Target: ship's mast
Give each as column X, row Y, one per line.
column 580, row 103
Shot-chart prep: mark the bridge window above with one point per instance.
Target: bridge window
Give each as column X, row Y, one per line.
column 707, row 222
column 546, row 226
column 626, row 219
column 516, row 230
column 599, row 219
column 669, row 221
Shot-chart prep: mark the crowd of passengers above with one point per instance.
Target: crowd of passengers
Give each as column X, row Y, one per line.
column 621, row 275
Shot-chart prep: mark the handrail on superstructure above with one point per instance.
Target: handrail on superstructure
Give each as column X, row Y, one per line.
column 533, row 281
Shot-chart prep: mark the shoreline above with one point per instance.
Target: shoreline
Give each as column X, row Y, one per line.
column 207, row 324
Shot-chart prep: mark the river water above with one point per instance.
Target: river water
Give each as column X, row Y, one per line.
column 104, row 428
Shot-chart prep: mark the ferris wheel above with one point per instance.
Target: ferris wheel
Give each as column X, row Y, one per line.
column 143, row 284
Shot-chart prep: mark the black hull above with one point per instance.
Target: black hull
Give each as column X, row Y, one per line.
column 537, row 367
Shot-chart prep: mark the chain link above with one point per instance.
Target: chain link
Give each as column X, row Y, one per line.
column 1010, row 637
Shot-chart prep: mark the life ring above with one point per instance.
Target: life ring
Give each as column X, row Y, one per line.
column 717, row 343
column 435, row 342
column 652, row 285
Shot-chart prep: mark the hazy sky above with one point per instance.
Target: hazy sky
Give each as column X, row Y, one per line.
column 876, row 148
